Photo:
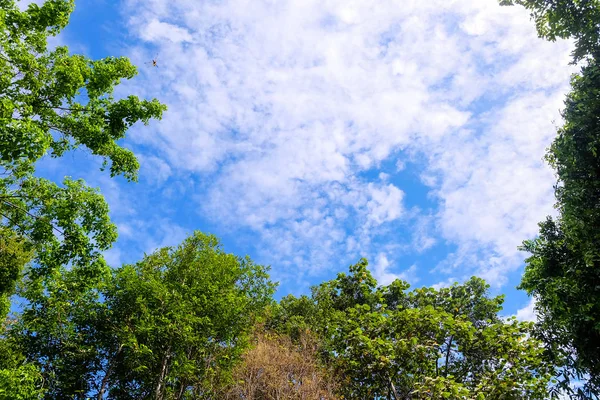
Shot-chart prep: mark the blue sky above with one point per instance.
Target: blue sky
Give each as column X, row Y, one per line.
column 308, row 134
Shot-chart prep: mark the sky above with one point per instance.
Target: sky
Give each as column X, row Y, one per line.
column 308, row 134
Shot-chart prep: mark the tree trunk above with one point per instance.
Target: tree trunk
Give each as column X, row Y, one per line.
column 181, row 390
column 448, row 355
column 393, row 388
column 158, row 392
column 108, row 373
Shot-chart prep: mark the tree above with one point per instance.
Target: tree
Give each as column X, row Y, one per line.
column 578, row 19
column 563, row 271
column 19, row 379
column 52, row 102
column 386, row 342
column 171, row 326
column 279, row 368
column 13, row 257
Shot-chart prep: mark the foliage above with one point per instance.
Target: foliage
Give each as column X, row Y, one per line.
column 178, row 324
column 389, row 343
column 52, row 102
column 169, row 327
column 14, row 255
column 578, row 19
column 21, row 383
column 563, row 271
column 276, row 367
column 19, row 380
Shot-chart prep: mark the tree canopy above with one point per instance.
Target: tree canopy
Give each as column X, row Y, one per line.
column 387, row 342
column 51, row 102
column 195, row 322
column 171, row 326
column 563, row 270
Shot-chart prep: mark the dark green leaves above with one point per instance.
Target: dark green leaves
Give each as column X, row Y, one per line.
column 563, row 271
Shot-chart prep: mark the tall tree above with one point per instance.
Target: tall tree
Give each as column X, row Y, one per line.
column 386, row 342
column 52, row 102
column 171, row 326
column 563, row 271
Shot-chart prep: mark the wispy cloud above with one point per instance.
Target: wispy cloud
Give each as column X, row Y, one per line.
column 284, row 108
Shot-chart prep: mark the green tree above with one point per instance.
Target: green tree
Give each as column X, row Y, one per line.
column 52, row 102
column 18, row 379
column 13, row 257
column 563, row 271
column 171, row 326
column 386, row 342
column 577, row 19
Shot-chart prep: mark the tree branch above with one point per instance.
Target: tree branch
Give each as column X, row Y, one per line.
column 30, row 214
column 448, row 355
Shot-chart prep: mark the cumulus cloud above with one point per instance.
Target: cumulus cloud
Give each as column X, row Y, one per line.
column 382, row 271
column 444, row 284
column 528, row 312
column 285, row 107
column 154, row 169
column 156, row 30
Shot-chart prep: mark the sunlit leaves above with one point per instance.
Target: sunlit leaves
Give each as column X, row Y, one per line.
column 385, row 342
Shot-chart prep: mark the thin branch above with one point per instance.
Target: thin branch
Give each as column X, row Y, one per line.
column 31, row 215
column 14, row 223
column 63, row 108
column 448, row 355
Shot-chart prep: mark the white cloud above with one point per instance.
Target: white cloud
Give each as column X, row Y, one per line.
column 496, row 187
column 283, row 106
column 382, row 267
column 153, row 169
column 444, row 284
column 156, row 30
column 385, row 204
column 422, row 237
column 528, row 312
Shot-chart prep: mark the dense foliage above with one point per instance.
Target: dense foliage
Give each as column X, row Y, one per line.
column 386, row 342
column 169, row 327
column 563, row 271
column 52, row 102
column 277, row 367
column 195, row 322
